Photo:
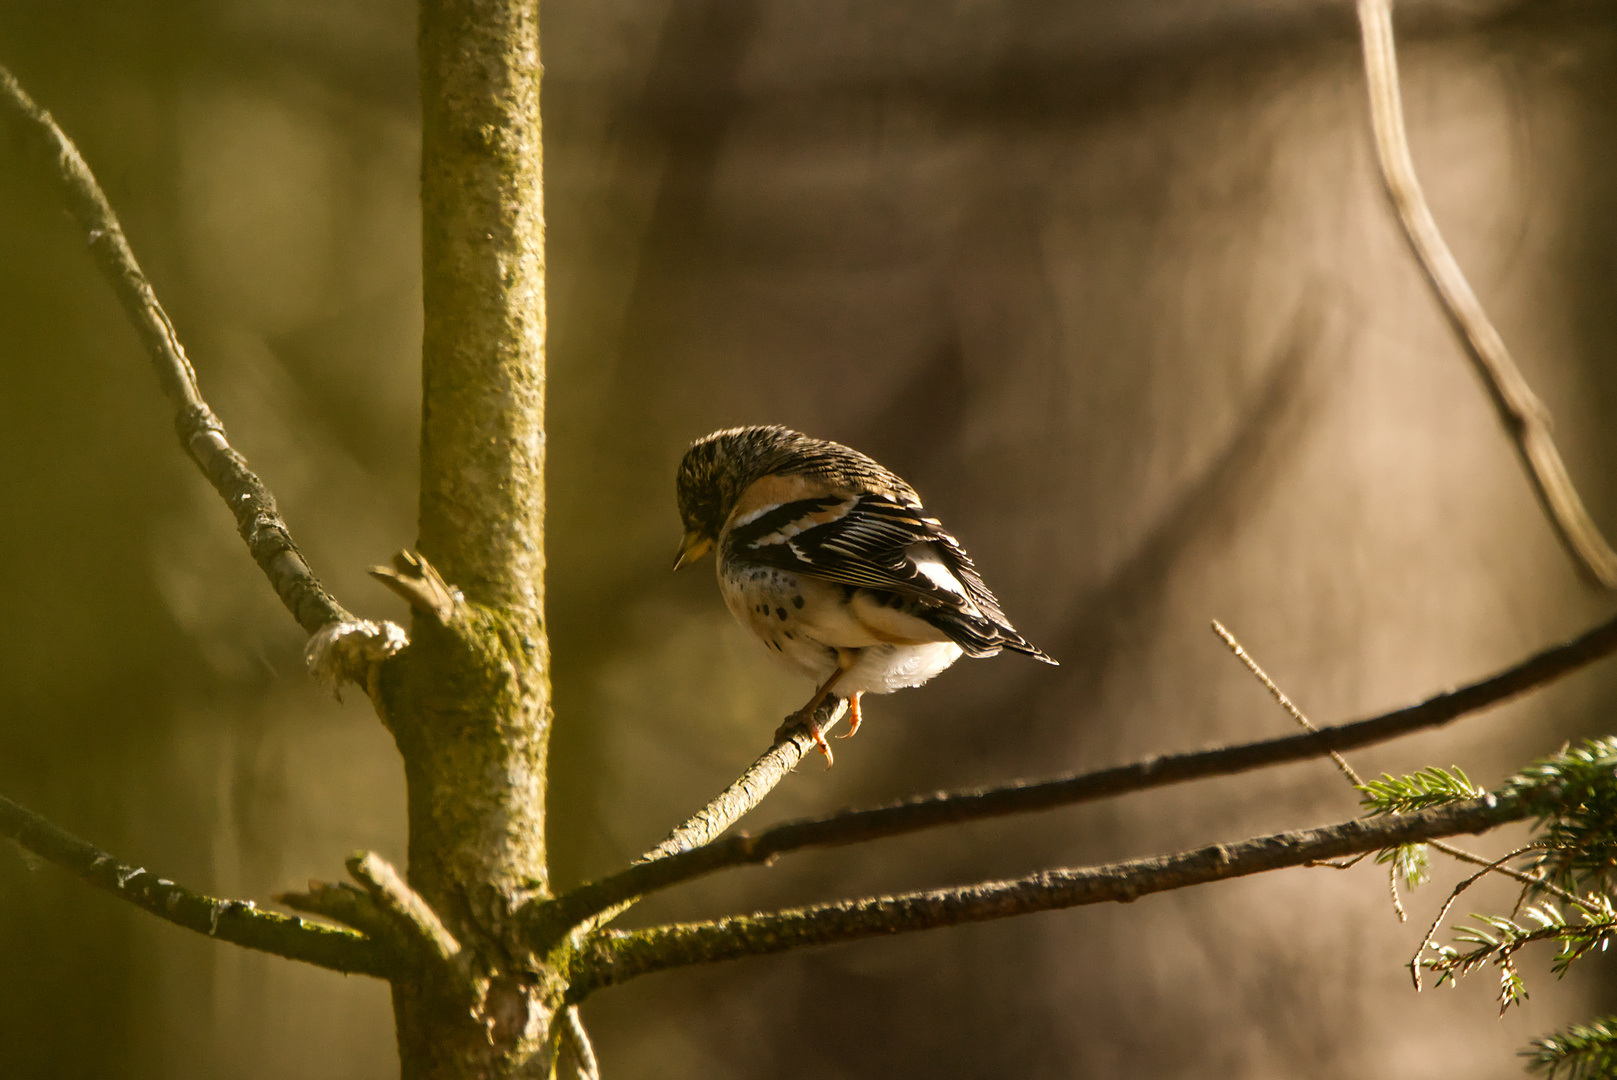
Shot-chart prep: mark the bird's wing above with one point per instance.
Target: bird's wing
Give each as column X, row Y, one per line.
column 873, row 541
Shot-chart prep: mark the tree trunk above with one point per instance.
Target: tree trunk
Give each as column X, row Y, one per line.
column 469, row 702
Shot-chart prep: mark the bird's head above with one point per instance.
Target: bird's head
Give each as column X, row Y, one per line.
column 716, row 470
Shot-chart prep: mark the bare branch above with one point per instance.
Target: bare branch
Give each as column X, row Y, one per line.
column 552, row 919
column 741, row 797
column 417, row 582
column 237, row 921
column 613, row 956
column 1524, row 416
column 200, row 431
column 347, row 904
column 592, row 906
column 581, row 1052
column 413, row 915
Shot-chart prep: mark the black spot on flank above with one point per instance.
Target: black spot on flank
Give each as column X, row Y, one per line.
column 777, row 645
column 789, row 636
column 797, row 602
column 781, row 612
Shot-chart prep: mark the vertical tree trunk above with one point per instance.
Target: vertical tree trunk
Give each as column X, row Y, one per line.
column 470, row 702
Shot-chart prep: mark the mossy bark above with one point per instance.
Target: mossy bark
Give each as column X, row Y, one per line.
column 469, row 701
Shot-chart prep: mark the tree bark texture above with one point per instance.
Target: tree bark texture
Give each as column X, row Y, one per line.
column 469, row 702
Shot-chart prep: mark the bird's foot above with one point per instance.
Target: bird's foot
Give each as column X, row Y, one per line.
column 806, row 719
column 854, row 718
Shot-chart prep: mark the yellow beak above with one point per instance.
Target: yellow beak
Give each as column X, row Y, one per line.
column 693, row 547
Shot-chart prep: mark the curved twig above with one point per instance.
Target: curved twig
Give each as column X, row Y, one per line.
column 203, row 436
column 613, row 957
column 237, row 921
column 553, row 918
column 1524, row 416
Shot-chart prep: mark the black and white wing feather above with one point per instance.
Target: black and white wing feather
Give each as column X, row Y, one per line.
column 875, row 542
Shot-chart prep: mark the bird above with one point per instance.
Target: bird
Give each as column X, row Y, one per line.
column 832, row 562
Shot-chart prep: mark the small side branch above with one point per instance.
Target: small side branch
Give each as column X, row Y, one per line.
column 200, row 431
column 404, row 905
column 741, row 797
column 386, row 909
column 549, row 920
column 674, row 866
column 237, row 921
column 613, row 957
column 1521, row 412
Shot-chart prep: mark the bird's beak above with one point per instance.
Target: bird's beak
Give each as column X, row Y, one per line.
column 693, row 547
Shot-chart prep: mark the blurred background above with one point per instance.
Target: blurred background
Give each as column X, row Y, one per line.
column 1112, row 282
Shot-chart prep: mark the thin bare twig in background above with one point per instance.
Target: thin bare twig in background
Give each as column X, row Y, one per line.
column 1525, row 418
column 237, row 921
column 200, row 431
column 548, row 920
column 1285, row 702
column 613, row 956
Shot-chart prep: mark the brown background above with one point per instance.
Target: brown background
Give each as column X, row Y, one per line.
column 1111, row 282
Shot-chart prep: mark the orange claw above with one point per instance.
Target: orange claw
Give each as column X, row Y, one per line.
column 819, row 741
column 854, row 718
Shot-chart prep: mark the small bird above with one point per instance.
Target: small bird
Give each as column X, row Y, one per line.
column 831, row 561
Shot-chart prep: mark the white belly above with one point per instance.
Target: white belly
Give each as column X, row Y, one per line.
column 804, row 621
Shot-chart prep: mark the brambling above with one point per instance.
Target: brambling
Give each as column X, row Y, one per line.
column 831, row 561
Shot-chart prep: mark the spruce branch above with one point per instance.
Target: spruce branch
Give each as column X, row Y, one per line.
column 1581, row 1052
column 201, row 434
column 1570, row 797
column 240, row 922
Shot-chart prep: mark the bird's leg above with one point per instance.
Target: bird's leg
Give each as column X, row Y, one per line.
column 853, row 716
column 846, row 658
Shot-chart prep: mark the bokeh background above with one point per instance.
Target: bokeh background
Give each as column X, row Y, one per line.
column 1112, row 282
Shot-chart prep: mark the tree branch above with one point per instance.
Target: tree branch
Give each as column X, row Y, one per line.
column 201, row 434
column 349, row 905
column 553, row 919
column 237, row 921
column 612, row 957
column 1524, row 416
column 591, row 906
column 413, row 915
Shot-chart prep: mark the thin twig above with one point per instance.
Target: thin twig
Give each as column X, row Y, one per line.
column 240, row 922
column 1342, row 765
column 201, row 433
column 614, row 956
column 551, row 919
column 1443, row 912
column 1532, row 881
column 1523, row 415
column 1285, row 702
